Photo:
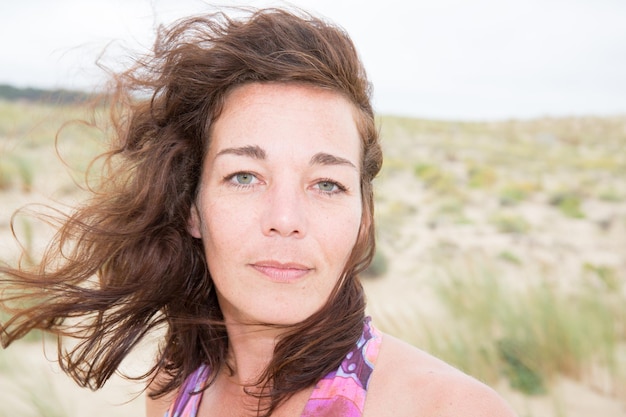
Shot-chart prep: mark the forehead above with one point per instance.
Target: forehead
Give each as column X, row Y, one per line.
column 300, row 115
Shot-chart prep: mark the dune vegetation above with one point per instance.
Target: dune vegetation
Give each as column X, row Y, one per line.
column 502, row 249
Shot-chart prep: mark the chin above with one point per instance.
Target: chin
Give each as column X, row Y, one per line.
column 287, row 319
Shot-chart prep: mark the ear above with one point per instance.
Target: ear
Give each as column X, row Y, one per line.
column 194, row 223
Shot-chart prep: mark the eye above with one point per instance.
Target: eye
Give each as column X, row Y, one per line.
column 330, row 187
column 327, row 186
column 243, row 178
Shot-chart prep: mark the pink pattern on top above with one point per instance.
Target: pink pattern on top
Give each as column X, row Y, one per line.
column 341, row 393
column 190, row 394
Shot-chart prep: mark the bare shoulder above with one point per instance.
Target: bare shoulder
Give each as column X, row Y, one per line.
column 410, row 382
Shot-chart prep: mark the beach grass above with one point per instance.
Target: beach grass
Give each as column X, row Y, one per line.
column 519, row 226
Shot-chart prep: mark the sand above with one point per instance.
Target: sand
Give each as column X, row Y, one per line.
column 558, row 245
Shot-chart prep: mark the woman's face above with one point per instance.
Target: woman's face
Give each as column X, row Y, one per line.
column 279, row 205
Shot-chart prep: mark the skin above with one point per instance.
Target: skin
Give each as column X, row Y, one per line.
column 278, row 213
column 279, row 206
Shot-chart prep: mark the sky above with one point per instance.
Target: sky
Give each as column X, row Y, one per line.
column 441, row 59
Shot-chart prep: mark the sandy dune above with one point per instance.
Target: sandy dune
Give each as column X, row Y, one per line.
column 559, row 245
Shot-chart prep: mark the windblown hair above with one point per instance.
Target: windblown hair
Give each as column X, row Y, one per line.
column 123, row 264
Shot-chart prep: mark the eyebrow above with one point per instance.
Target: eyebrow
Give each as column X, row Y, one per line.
column 251, row 151
column 323, row 158
column 256, row 152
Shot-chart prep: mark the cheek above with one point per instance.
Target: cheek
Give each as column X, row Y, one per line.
column 223, row 229
column 343, row 234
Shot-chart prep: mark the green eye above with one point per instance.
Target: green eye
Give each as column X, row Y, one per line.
column 327, row 186
column 244, row 178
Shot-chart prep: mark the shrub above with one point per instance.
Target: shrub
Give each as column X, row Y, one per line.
column 512, row 194
column 528, row 335
column 569, row 204
column 521, row 373
column 378, row 267
column 481, row 176
column 435, row 178
column 510, row 223
column 509, row 257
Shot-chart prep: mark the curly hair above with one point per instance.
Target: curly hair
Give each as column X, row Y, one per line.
column 123, row 264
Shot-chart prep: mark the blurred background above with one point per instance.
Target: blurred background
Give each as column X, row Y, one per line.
column 450, row 59
column 500, row 209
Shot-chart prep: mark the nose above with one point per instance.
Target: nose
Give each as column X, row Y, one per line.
column 284, row 211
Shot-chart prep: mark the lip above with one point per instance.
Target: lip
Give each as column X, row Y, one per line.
column 283, row 272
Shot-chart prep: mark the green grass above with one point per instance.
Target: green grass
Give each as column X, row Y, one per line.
column 378, row 267
column 449, row 210
column 493, row 328
column 435, row 178
column 481, row 176
column 515, row 193
column 568, row 203
column 527, row 330
column 606, row 276
column 32, row 131
column 509, row 223
column 24, row 394
column 511, row 258
column 611, row 195
column 528, row 336
column 16, row 171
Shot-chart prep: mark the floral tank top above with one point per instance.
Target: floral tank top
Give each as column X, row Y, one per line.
column 341, row 393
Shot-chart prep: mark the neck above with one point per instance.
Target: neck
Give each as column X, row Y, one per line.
column 250, row 351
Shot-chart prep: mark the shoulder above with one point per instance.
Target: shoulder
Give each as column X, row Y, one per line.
column 410, row 382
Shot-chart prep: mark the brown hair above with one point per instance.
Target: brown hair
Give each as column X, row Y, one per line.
column 132, row 234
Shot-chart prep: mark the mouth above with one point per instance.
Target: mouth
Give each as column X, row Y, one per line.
column 281, row 272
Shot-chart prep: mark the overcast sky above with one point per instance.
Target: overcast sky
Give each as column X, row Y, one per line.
column 446, row 59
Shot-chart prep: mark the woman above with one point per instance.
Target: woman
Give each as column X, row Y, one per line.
column 237, row 214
